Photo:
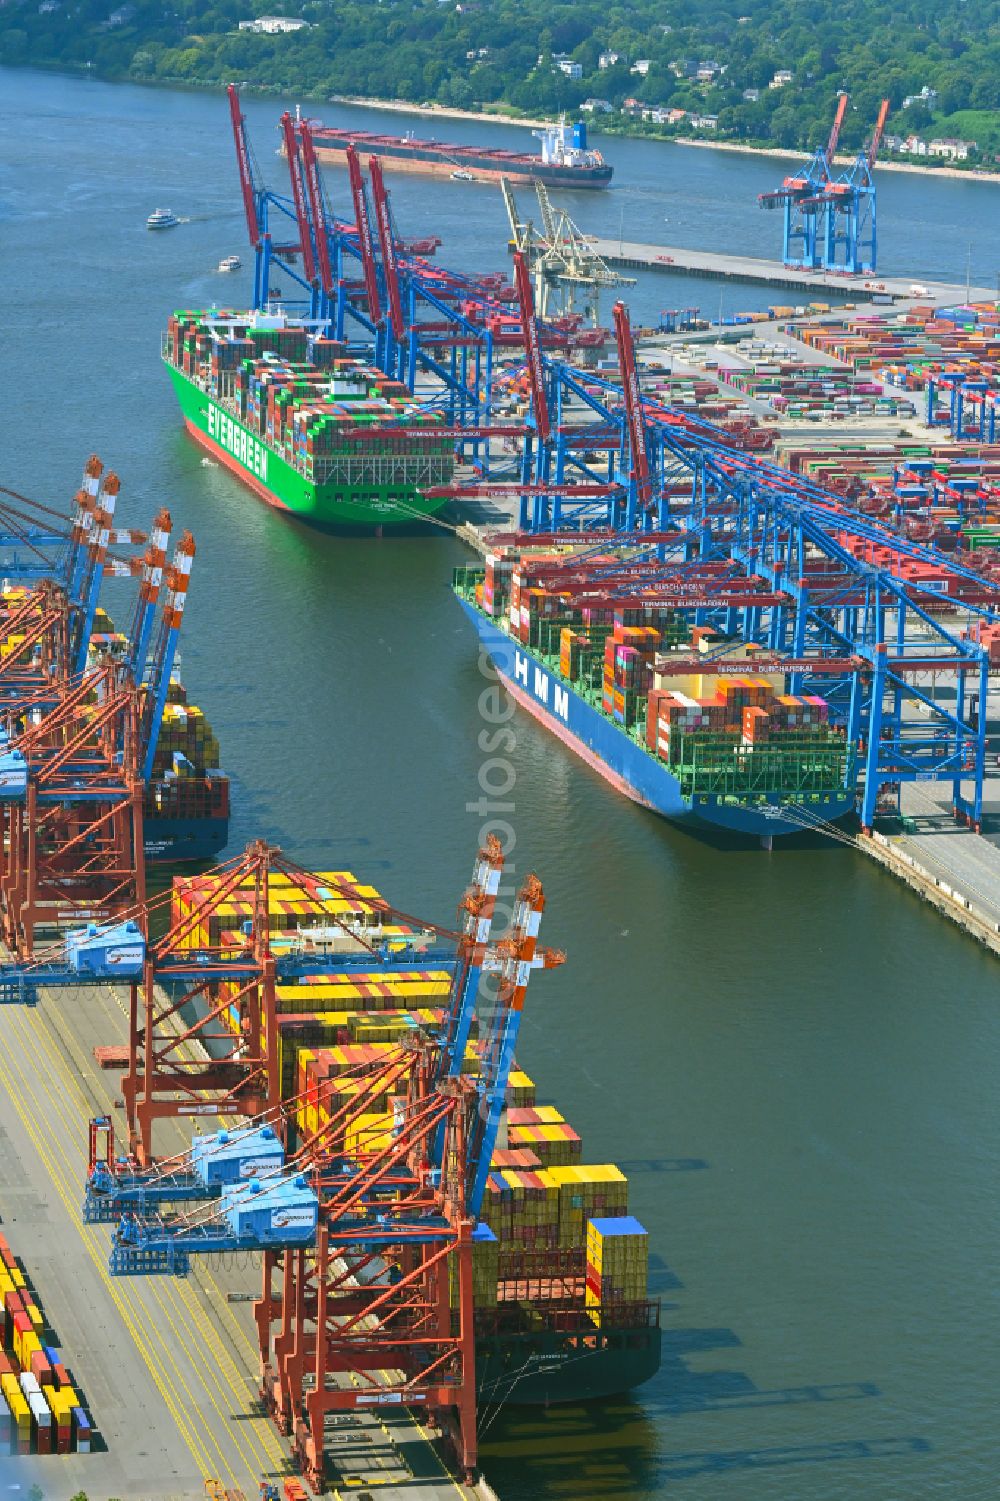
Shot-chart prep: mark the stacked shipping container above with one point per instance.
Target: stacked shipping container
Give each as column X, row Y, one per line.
column 40, row 1410
column 331, row 1026
column 302, row 394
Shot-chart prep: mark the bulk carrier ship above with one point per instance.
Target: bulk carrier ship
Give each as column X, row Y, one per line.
column 307, row 429
column 564, row 161
column 728, row 749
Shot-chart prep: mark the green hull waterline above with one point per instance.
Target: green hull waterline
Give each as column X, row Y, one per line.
column 279, row 483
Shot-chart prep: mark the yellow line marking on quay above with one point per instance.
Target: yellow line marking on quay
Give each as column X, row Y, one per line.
column 65, row 1187
column 130, row 1316
column 138, row 1320
column 167, row 1354
column 261, row 1449
column 110, row 995
column 111, row 998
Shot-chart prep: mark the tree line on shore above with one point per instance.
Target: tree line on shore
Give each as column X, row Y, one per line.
column 765, row 73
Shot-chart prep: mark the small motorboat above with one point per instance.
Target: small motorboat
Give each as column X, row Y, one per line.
column 462, row 176
column 161, row 218
column 230, row 263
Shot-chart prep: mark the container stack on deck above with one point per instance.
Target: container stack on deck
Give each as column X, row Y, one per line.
column 732, row 736
column 540, row 1195
column 186, row 783
column 297, row 393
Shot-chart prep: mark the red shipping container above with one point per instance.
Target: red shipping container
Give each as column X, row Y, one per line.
column 40, row 1368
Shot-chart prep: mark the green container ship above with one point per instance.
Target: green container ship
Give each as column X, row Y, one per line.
column 308, row 429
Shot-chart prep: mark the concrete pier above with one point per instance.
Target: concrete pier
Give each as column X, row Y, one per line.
column 679, row 260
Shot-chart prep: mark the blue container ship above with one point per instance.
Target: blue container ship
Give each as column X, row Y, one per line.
column 771, row 788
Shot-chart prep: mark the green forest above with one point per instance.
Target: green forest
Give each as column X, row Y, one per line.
column 722, row 63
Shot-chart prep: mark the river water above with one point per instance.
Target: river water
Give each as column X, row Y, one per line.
column 795, row 1062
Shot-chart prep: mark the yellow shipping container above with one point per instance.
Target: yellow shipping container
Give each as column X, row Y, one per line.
column 369, row 1133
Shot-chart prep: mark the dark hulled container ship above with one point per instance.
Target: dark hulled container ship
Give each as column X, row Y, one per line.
column 562, row 1306
column 564, row 160
column 185, row 805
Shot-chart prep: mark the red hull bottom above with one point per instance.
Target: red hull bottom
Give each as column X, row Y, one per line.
column 210, row 446
column 530, row 172
column 620, row 784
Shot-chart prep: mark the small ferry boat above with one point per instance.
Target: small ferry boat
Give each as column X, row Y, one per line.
column 161, row 218
column 230, row 263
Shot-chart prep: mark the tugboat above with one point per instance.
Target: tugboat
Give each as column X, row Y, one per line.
column 161, row 218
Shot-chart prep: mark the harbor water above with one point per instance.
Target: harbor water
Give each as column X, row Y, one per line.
column 794, row 1061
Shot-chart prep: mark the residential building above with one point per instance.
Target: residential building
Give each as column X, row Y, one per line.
column 274, row 25
column 751, row 95
column 641, row 66
column 565, row 64
column 926, row 96
column 703, row 122
column 781, row 77
column 596, row 106
column 608, row 60
column 951, row 148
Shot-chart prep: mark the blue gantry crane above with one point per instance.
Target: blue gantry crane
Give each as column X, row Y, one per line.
column 354, row 280
column 830, row 222
column 799, row 197
column 772, row 560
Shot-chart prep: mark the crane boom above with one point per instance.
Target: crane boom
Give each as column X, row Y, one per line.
column 153, row 565
column 243, row 164
column 177, row 579
column 517, row 956
column 298, row 196
column 532, row 349
column 314, row 189
column 518, row 229
column 831, row 145
column 549, row 225
column 877, row 133
column 633, row 405
column 388, row 247
column 364, row 226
